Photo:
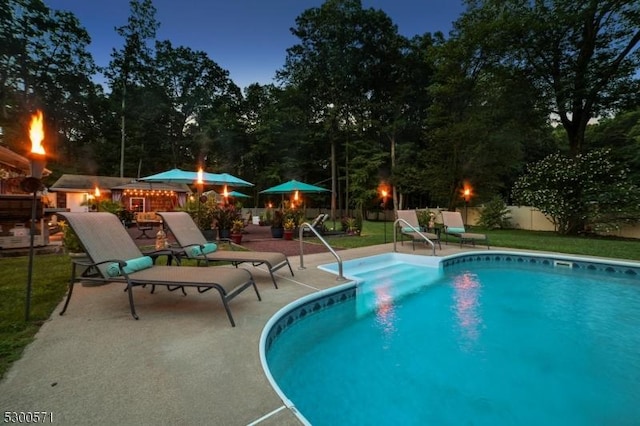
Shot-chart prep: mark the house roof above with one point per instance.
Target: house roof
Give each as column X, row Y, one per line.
column 154, row 186
column 87, row 183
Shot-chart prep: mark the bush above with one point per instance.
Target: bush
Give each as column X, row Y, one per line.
column 495, row 214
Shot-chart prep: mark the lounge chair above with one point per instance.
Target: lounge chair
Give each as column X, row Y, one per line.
column 114, row 257
column 195, row 246
column 317, row 224
column 410, row 227
column 454, row 226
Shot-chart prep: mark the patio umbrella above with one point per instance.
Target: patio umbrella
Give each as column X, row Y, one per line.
column 188, row 177
column 237, row 194
column 225, row 179
column 172, row 176
column 293, row 186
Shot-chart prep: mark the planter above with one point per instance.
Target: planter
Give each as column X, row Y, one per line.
column 288, row 234
column 210, row 234
column 225, row 233
column 277, row 232
column 236, row 238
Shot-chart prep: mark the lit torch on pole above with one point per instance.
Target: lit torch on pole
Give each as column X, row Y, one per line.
column 33, row 184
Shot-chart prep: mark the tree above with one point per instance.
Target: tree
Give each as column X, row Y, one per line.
column 44, row 63
column 338, row 64
column 581, row 56
column 574, row 191
column 479, row 124
column 133, row 64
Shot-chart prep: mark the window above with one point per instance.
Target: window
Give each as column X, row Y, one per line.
column 136, row 204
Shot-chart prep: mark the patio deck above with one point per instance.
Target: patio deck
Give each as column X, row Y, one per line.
column 181, row 363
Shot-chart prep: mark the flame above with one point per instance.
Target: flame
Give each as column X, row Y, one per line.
column 225, row 193
column 97, row 192
column 466, row 191
column 36, row 133
column 200, row 180
column 296, row 196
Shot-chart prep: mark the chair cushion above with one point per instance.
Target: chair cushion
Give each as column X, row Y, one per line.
column 208, row 248
column 133, row 265
column 408, row 229
column 456, row 230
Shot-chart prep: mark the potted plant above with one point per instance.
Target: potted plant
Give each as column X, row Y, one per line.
column 277, row 229
column 223, row 216
column 236, row 231
column 289, row 227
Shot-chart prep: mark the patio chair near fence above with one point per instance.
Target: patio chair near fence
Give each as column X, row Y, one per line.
column 454, row 226
column 410, row 227
column 114, row 257
column 195, row 246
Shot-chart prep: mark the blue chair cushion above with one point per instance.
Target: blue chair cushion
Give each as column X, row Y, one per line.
column 456, row 230
column 196, row 251
column 133, row 265
column 409, row 229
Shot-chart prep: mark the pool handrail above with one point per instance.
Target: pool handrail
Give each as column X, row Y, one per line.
column 333, row 252
column 414, row 229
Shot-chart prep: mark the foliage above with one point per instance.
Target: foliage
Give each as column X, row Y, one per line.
column 425, row 217
column 237, row 226
column 289, row 224
column 349, row 225
column 201, row 213
column 495, row 214
column 225, row 215
column 589, row 189
column 580, row 56
column 70, row 240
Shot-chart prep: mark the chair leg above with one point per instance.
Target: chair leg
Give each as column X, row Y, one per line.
column 131, row 305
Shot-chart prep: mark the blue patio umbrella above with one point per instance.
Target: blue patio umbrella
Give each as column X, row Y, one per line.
column 293, row 186
column 237, row 194
column 172, row 176
column 189, row 177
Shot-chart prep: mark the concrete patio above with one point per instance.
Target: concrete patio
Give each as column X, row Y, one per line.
column 181, row 363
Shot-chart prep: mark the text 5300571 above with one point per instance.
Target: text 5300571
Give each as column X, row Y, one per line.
column 21, row 417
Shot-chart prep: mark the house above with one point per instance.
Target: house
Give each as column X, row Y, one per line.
column 76, row 193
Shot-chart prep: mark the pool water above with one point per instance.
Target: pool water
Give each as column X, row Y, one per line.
column 481, row 345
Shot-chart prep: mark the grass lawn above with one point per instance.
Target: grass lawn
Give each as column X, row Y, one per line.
column 51, row 275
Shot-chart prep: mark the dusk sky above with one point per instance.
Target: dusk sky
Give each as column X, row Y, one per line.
column 248, row 38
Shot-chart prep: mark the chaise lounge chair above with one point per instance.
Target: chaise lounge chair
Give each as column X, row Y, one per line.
column 195, row 246
column 410, row 227
column 317, row 224
column 114, row 257
column 454, row 226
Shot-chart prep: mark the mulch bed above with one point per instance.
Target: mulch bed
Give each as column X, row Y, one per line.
column 258, row 238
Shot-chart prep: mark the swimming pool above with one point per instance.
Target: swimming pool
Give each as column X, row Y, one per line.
column 482, row 338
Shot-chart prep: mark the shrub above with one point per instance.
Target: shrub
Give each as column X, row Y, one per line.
column 495, row 214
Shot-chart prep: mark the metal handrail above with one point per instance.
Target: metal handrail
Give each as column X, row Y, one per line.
column 338, row 258
column 395, row 234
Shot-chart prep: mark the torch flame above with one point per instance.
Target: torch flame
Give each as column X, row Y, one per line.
column 36, row 133
column 296, row 196
column 97, row 192
column 200, row 174
column 225, row 193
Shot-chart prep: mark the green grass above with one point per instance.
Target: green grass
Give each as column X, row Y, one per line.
column 51, row 274
column 49, row 284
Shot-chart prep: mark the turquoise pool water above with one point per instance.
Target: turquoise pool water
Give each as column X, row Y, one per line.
column 482, row 343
